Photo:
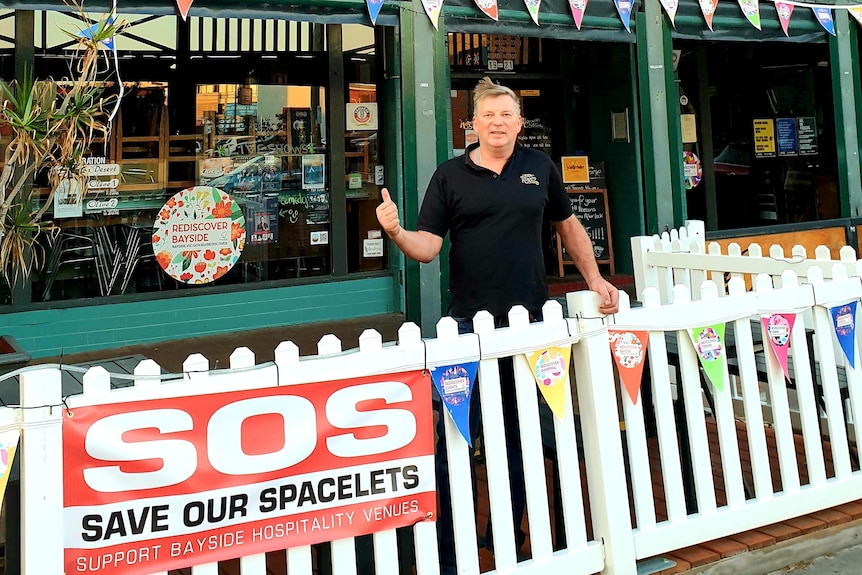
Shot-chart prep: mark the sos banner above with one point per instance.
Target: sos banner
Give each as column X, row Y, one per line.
column 163, row 484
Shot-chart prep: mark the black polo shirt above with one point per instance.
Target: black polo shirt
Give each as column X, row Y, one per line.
column 495, row 227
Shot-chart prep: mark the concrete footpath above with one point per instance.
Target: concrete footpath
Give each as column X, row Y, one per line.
column 846, row 562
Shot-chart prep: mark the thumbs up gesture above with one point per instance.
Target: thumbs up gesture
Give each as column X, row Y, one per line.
column 387, row 215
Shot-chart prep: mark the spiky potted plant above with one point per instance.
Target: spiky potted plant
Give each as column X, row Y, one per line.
column 53, row 125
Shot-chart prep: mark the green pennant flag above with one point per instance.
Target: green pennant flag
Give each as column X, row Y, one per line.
column 751, row 9
column 709, row 344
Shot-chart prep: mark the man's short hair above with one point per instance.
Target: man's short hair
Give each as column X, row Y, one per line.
column 486, row 87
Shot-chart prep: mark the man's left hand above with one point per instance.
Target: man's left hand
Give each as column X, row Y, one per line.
column 609, row 293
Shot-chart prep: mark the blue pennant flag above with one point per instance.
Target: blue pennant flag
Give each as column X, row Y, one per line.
column 455, row 383
column 374, row 7
column 624, row 8
column 89, row 32
column 824, row 16
column 844, row 322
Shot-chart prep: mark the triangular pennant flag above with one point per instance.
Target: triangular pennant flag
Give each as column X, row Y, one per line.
column 8, row 445
column 824, row 16
column 708, row 8
column 533, row 9
column 455, row 383
column 184, row 6
column 551, row 370
column 856, row 12
column 844, row 322
column 709, row 344
column 578, row 7
column 670, row 7
column 374, row 7
column 90, row 31
column 624, row 9
column 784, row 11
column 489, row 7
column 628, row 349
column 751, row 9
column 777, row 328
column 432, row 9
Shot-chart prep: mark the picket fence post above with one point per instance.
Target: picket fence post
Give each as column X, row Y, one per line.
column 41, row 459
column 603, row 449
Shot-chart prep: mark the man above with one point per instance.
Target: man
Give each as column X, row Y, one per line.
column 492, row 202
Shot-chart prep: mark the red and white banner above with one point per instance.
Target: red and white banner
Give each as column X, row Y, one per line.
column 164, row 484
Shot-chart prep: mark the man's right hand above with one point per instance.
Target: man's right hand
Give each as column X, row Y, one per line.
column 387, row 215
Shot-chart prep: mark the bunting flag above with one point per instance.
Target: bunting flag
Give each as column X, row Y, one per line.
column 856, row 12
column 8, row 445
column 708, row 8
column 709, row 344
column 578, row 7
column 533, row 9
column 628, row 349
column 184, row 6
column 374, row 7
column 489, row 7
column 455, row 383
column 824, row 16
column 751, row 9
column 432, row 9
column 784, row 11
column 777, row 328
column 551, row 370
column 844, row 321
column 670, row 7
column 624, row 9
column 90, row 31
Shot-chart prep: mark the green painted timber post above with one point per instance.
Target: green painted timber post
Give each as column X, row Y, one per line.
column 844, row 57
column 418, row 47
column 663, row 196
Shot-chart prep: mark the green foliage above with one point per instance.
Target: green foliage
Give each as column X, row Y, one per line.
column 53, row 125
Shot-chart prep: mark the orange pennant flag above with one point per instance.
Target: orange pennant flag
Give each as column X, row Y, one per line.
column 184, row 6
column 628, row 349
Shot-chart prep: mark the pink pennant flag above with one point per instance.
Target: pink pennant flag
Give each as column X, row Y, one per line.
column 578, row 8
column 489, row 7
column 777, row 329
column 856, row 12
column 708, row 8
column 432, row 9
column 670, row 7
column 784, row 11
column 628, row 349
column 184, row 6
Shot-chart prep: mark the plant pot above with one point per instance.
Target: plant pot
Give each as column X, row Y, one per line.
column 12, row 356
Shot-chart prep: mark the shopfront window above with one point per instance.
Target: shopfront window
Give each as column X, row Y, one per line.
column 364, row 172
column 770, row 132
column 249, row 121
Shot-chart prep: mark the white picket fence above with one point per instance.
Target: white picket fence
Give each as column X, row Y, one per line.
column 683, row 257
column 615, row 545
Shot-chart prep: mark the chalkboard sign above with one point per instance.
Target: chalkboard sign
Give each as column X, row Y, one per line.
column 591, row 209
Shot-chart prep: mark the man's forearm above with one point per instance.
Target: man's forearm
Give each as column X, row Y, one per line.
column 420, row 246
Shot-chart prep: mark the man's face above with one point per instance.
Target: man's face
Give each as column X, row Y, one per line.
column 497, row 122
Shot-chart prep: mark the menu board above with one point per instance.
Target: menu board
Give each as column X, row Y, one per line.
column 807, row 136
column 591, row 208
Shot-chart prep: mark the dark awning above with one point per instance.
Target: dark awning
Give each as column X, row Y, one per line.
column 729, row 23
column 318, row 11
column 601, row 21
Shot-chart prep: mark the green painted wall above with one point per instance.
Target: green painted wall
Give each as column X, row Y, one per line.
column 612, row 89
column 44, row 333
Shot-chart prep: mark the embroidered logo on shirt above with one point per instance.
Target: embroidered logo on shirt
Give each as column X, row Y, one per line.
column 529, row 179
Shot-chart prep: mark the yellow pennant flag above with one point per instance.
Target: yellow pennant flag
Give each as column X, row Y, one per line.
column 8, row 445
column 551, row 370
